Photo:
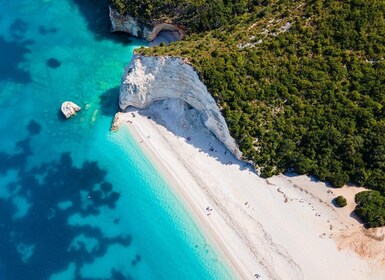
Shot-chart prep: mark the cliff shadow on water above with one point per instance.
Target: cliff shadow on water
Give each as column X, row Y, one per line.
column 109, row 102
column 95, row 12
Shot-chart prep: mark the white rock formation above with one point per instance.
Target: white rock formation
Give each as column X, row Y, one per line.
column 131, row 25
column 69, row 109
column 148, row 79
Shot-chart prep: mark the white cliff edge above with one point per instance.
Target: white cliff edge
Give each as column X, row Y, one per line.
column 148, row 79
column 131, row 25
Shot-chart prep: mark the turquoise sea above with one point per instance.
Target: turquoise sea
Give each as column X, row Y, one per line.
column 77, row 201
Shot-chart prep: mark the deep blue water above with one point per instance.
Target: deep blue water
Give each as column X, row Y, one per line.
column 77, row 201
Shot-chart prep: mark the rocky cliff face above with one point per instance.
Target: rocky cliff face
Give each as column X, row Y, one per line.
column 148, row 79
column 139, row 29
column 129, row 25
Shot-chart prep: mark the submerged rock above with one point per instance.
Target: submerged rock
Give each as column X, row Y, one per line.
column 34, row 128
column 69, row 109
column 116, row 122
column 53, row 63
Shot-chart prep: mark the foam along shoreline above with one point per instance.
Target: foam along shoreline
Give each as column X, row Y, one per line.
column 280, row 228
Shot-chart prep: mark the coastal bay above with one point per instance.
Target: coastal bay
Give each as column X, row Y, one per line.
column 78, row 201
column 161, row 198
column 285, row 80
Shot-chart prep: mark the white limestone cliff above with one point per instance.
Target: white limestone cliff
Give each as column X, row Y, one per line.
column 149, row 79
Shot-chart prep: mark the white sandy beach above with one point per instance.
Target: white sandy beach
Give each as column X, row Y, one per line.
column 283, row 227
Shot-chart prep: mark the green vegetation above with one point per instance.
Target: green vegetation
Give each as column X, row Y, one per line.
column 371, row 208
column 301, row 84
column 340, row 201
column 195, row 15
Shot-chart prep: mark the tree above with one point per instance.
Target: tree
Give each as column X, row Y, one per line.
column 371, row 208
column 340, row 201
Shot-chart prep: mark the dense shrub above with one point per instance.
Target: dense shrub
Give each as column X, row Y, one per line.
column 340, row 201
column 371, row 208
column 195, row 15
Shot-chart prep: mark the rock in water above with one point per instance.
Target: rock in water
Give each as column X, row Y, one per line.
column 69, row 109
column 53, row 63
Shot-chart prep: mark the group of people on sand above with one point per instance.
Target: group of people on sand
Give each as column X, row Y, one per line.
column 208, row 209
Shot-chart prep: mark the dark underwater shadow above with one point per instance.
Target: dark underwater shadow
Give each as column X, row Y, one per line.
column 43, row 30
column 18, row 29
column 13, row 54
column 34, row 128
column 60, row 116
column 96, row 13
column 109, row 102
column 44, row 227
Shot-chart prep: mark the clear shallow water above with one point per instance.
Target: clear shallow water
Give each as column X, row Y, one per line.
column 76, row 201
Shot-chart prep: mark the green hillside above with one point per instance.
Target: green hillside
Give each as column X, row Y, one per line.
column 194, row 15
column 301, row 84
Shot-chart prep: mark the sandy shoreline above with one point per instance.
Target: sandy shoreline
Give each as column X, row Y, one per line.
column 280, row 228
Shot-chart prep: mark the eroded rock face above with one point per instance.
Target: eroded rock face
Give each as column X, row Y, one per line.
column 139, row 29
column 129, row 25
column 148, row 79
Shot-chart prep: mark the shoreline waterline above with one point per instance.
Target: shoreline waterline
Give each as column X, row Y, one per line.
column 81, row 202
column 242, row 262
column 71, row 188
column 257, row 225
column 174, row 184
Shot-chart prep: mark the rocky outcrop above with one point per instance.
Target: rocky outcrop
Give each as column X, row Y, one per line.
column 131, row 25
column 148, row 79
column 69, row 109
column 165, row 27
